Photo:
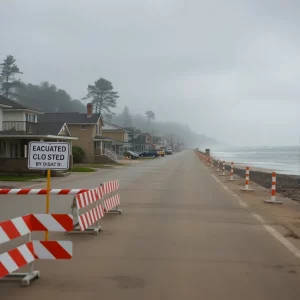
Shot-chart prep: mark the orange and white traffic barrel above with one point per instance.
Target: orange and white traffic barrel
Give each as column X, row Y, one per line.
column 273, row 191
column 246, row 188
column 231, row 172
column 223, row 168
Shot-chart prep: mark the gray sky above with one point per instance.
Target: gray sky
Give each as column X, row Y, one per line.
column 230, row 69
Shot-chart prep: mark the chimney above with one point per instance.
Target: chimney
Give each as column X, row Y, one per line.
column 89, row 109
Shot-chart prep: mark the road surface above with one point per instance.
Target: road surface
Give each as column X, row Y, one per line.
column 181, row 236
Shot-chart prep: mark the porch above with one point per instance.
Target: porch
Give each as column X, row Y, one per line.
column 19, row 127
column 140, row 147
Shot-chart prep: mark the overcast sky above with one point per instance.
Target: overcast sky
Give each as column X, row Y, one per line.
column 230, row 69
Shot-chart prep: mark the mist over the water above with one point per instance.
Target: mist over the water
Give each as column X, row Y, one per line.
column 284, row 159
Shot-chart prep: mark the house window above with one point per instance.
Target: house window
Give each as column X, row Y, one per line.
column 31, row 118
column 3, row 149
column 97, row 129
column 83, row 127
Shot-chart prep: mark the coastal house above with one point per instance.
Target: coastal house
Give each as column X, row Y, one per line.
column 133, row 133
column 118, row 135
column 88, row 128
column 143, row 142
column 19, row 126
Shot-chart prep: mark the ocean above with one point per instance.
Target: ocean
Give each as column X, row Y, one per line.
column 283, row 160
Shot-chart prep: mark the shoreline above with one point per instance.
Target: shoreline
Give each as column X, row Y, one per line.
column 287, row 185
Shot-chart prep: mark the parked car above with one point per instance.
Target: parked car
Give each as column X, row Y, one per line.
column 161, row 152
column 131, row 154
column 150, row 153
column 168, row 151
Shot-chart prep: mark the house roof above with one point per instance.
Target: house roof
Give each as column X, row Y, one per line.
column 138, row 141
column 5, row 106
column 112, row 127
column 132, row 130
column 105, row 138
column 14, row 104
column 28, row 136
column 69, row 118
column 51, row 128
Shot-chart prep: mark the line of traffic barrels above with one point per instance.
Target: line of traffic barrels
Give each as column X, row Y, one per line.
column 222, row 167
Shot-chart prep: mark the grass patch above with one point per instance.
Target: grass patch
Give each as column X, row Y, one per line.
column 99, row 166
column 82, row 169
column 18, row 178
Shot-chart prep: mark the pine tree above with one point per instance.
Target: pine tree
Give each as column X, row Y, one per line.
column 8, row 82
column 126, row 116
column 103, row 96
column 150, row 116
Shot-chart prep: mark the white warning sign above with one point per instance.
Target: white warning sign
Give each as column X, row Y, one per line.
column 49, row 156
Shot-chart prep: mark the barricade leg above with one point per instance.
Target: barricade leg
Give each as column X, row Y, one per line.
column 92, row 230
column 115, row 210
column 26, row 278
column 76, row 228
column 30, row 276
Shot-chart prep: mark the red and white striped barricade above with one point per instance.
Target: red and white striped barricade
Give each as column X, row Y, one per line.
column 273, row 191
column 33, row 250
column 42, row 191
column 211, row 162
column 223, row 168
column 111, row 204
column 247, row 188
column 87, row 210
column 231, row 172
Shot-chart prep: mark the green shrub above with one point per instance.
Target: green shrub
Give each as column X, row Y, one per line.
column 78, row 154
column 126, row 153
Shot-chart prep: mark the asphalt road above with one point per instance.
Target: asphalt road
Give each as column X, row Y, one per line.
column 181, row 236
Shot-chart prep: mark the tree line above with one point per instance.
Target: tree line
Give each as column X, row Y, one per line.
column 48, row 98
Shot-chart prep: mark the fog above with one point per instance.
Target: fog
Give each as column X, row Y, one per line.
column 228, row 69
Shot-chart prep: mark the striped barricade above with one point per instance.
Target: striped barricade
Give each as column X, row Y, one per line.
column 27, row 253
column 111, row 204
column 87, row 208
column 41, row 191
column 87, row 218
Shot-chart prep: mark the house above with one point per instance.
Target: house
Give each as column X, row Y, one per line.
column 118, row 135
column 132, row 133
column 18, row 127
column 143, row 142
column 88, row 128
